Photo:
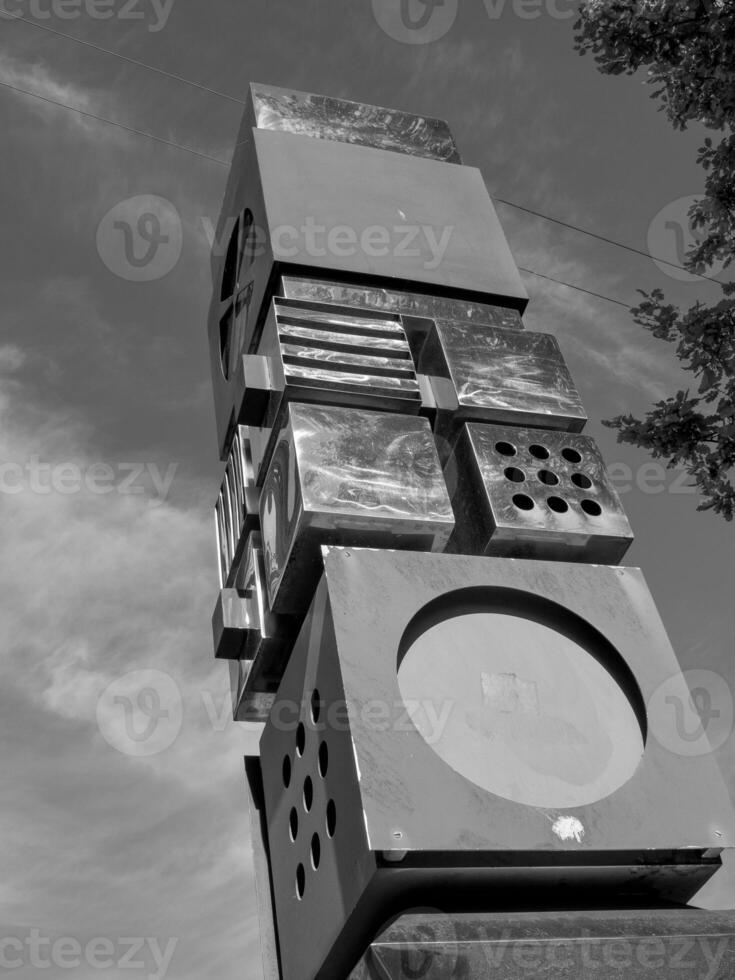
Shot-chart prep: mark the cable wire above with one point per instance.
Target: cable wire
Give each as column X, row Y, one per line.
column 603, row 238
column 122, row 57
column 111, row 122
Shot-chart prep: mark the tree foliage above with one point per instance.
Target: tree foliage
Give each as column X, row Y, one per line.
column 687, row 48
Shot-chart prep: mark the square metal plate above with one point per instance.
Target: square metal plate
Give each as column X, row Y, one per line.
column 534, row 493
column 368, row 813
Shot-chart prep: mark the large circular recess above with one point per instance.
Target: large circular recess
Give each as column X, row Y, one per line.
column 522, row 698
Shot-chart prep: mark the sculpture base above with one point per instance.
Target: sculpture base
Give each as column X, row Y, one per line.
column 666, row 943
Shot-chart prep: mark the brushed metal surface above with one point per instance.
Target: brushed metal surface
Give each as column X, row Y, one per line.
column 411, row 305
column 345, row 476
column 333, row 355
column 504, row 377
column 534, row 493
column 365, row 819
column 323, row 117
column 285, row 189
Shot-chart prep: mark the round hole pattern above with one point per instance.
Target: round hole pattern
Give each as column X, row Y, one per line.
column 308, row 793
column 515, row 475
column 591, row 507
column 300, row 882
column 331, row 818
column 538, row 452
column 581, row 480
column 286, row 771
column 323, row 759
column 316, row 851
column 558, row 505
column 548, row 478
column 316, row 706
column 300, row 738
column 293, row 823
column 505, row 448
column 523, row 502
column 571, row 455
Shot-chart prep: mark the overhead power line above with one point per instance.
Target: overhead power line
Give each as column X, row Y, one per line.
column 604, row 238
column 224, row 163
column 111, row 122
column 232, row 98
column 121, row 57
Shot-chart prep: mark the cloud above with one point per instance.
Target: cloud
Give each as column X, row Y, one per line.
column 95, row 587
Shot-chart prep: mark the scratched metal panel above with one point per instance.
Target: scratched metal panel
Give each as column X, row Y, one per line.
column 343, row 476
column 323, row 117
column 408, row 304
column 333, row 355
column 534, row 493
column 502, row 376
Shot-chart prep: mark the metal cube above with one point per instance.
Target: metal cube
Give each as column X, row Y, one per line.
column 503, row 376
column 534, row 493
column 333, row 355
column 255, row 641
column 475, row 733
column 236, row 510
column 344, row 476
column 285, row 189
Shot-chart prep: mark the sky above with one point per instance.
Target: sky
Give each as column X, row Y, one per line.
column 106, row 419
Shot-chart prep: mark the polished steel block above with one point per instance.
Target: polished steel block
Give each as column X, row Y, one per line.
column 503, row 376
column 322, row 117
column 346, row 476
column 236, row 510
column 468, row 733
column 248, row 634
column 314, row 206
column 411, row 306
column 333, row 355
column 534, row 493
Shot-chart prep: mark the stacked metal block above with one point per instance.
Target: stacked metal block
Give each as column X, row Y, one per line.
column 421, row 596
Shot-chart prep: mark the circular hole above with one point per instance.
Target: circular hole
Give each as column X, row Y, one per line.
column 331, row 818
column 293, row 823
column 505, row 449
column 515, row 475
column 523, row 501
column 581, row 481
column 286, row 771
column 591, row 507
column 539, row 452
column 571, row 455
column 316, row 706
column 323, row 759
column 308, row 793
column 300, row 882
column 316, row 851
column 558, row 505
column 300, row 738
column 548, row 478
column 530, row 653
